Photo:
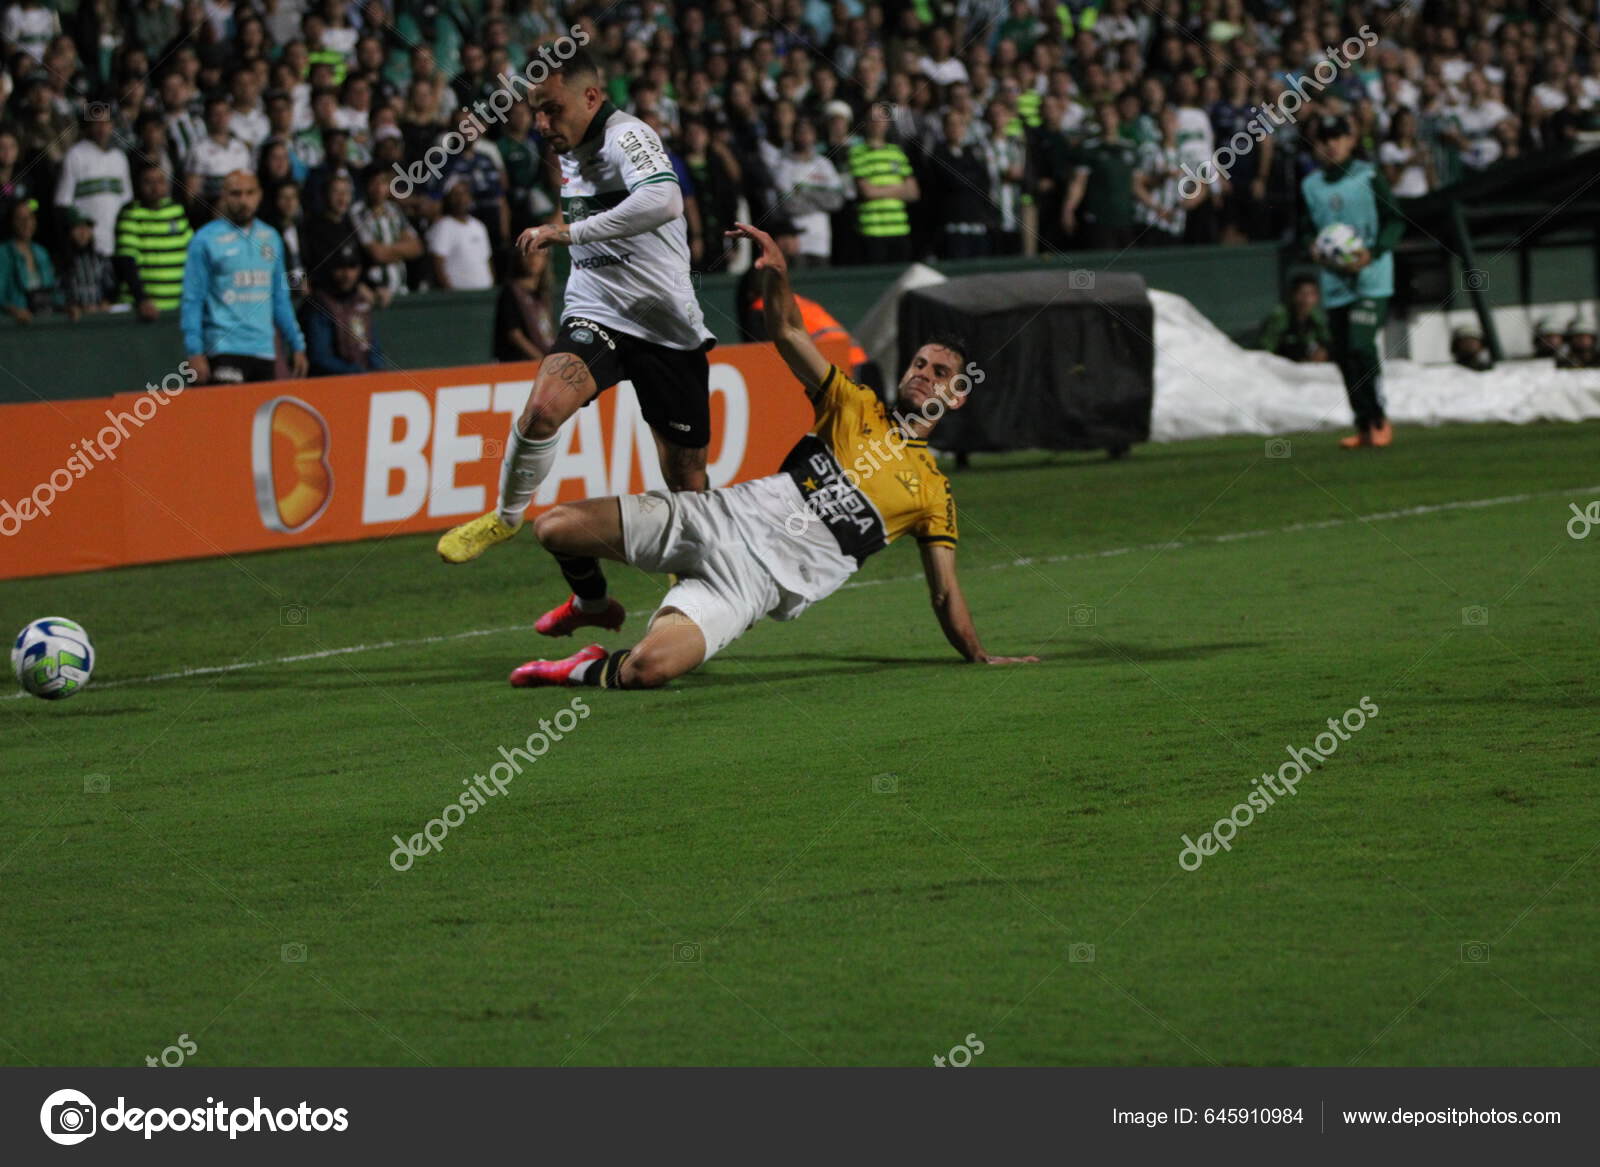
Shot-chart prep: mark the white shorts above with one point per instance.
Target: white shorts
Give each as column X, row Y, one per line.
column 721, row 585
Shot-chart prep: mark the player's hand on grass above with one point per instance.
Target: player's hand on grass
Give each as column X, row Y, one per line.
column 986, row 659
column 768, row 255
column 545, row 235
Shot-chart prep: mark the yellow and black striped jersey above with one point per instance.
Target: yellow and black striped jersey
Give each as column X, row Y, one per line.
column 864, row 478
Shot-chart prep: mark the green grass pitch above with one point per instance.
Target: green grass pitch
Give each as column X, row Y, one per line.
column 837, row 845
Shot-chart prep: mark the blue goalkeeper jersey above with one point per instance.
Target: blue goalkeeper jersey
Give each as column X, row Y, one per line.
column 235, row 291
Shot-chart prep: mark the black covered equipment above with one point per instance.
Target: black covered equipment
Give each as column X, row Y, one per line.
column 1068, row 358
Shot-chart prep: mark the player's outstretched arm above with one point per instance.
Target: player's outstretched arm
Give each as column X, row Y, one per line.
column 784, row 326
column 950, row 606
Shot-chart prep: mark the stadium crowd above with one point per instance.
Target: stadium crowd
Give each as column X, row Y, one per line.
column 884, row 133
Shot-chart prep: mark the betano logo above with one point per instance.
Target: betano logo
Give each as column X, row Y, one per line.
column 289, row 444
column 415, row 445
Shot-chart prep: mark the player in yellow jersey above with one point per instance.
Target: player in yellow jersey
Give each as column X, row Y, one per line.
column 773, row 546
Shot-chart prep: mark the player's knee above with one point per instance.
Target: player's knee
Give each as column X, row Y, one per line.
column 540, row 422
column 555, row 526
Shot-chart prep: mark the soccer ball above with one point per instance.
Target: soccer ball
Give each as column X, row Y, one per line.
column 1338, row 243
column 52, row 658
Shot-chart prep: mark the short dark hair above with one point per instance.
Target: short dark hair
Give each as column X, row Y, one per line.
column 581, row 65
column 950, row 340
column 1300, row 281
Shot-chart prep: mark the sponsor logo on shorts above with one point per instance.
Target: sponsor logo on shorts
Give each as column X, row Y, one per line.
column 678, row 425
column 585, row 332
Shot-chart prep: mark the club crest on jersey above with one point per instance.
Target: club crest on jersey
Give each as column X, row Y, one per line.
column 582, row 335
column 909, row 480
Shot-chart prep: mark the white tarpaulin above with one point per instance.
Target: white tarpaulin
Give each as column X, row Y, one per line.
column 1206, row 385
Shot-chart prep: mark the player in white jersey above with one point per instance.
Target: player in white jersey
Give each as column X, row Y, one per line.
column 630, row 314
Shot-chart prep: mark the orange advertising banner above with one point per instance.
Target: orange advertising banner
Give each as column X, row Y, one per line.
column 173, row 473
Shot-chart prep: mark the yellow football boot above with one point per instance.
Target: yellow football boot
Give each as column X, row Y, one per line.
column 468, row 541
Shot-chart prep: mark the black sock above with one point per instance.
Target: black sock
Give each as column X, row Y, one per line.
column 583, row 576
column 607, row 674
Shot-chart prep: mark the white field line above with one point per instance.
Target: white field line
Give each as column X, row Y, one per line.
column 1024, row 561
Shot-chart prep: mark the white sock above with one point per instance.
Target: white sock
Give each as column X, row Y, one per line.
column 526, row 464
column 587, row 605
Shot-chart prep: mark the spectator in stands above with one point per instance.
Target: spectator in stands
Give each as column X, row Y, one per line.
column 1007, row 153
column 1468, row 349
column 94, row 178
column 335, row 164
column 286, row 216
column 337, row 317
column 249, row 121
column 1101, row 190
column 184, row 128
column 527, row 190
column 459, row 243
column 1162, row 209
column 1297, row 329
column 213, row 158
column 1580, row 351
column 717, row 175
column 524, row 315
column 885, row 186
column 30, row 26
column 809, row 191
column 1406, row 163
column 151, row 147
column 88, row 279
column 961, row 171
column 17, row 182
column 153, row 233
column 481, row 169
column 389, row 240
column 27, row 277
column 1479, row 117
column 236, row 293
column 324, row 233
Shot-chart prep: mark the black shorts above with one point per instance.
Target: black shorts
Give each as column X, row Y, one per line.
column 236, row 369
column 673, row 385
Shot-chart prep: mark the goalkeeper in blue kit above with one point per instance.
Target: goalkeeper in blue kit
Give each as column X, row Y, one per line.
column 236, row 293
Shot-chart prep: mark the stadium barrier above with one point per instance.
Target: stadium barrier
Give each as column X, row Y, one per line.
column 175, row 473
